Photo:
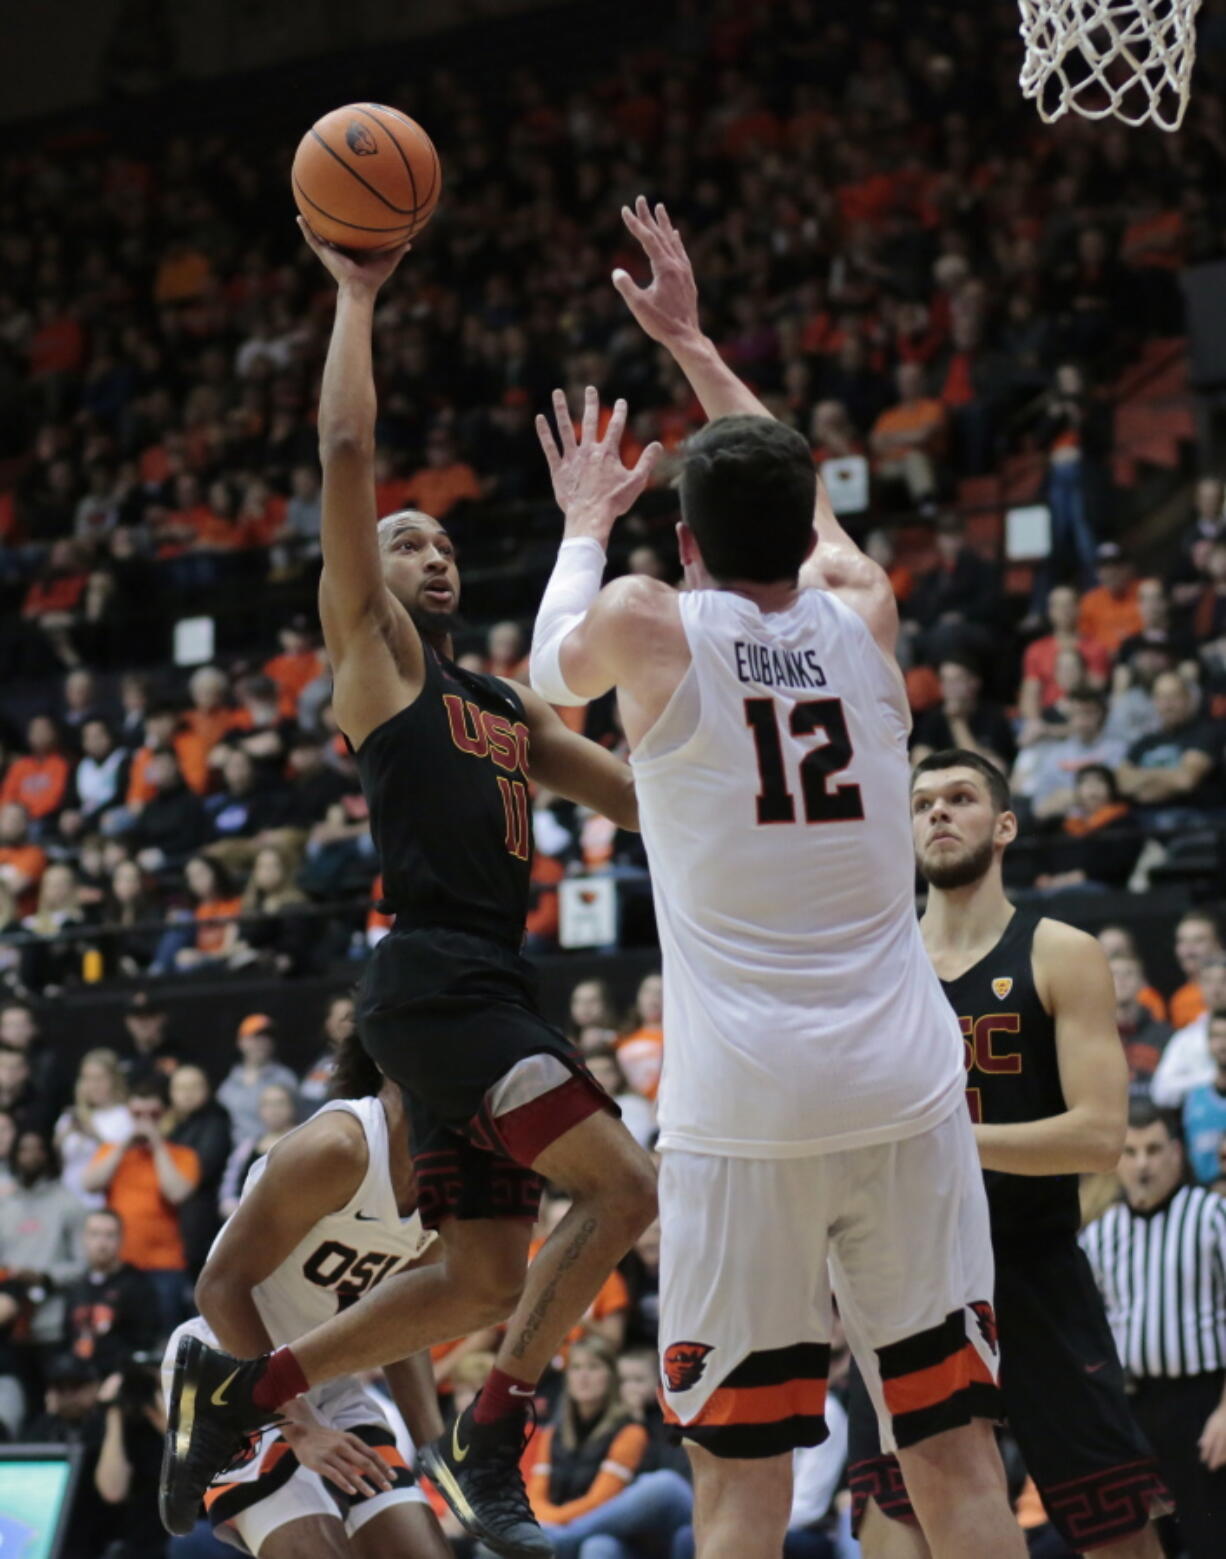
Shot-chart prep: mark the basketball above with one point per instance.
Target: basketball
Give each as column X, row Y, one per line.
column 366, row 177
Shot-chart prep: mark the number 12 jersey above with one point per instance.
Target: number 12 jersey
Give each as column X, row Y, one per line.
column 801, row 1013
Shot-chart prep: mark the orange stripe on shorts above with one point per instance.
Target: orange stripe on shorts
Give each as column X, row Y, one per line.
column 760, row 1404
column 927, row 1388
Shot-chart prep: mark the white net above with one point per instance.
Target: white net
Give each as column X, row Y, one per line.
column 1119, row 59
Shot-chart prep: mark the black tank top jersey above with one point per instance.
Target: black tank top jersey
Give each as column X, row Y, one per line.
column 446, row 781
column 1012, row 1076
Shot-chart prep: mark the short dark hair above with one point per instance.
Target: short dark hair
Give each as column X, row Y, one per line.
column 748, row 489
column 1104, row 774
column 1088, row 695
column 1143, row 1113
column 355, row 1074
column 150, row 1087
column 961, row 758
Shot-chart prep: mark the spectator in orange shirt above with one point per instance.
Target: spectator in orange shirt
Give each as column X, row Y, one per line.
column 1109, row 613
column 55, row 601
column 182, row 275
column 444, row 481
column 39, row 781
column 211, row 714
column 22, row 863
column 1196, row 939
column 640, row 1053
column 164, row 733
column 1040, row 689
column 391, row 489
column 215, row 901
column 908, row 438
column 298, row 664
column 1119, row 942
column 589, row 1455
column 146, row 1179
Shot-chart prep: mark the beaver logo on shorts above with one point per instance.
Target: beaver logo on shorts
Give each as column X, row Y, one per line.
column 986, row 1317
column 684, row 1363
column 360, row 141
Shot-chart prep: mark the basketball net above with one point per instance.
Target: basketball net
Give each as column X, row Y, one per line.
column 1118, row 59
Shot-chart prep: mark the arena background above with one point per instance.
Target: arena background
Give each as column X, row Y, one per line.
column 188, row 108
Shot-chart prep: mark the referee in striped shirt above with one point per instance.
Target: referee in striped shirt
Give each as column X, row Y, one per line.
column 1159, row 1259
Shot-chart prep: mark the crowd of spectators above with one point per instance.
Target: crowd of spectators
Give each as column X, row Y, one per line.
column 888, row 249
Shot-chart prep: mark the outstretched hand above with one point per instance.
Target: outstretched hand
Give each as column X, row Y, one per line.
column 667, row 308
column 590, row 483
column 368, row 269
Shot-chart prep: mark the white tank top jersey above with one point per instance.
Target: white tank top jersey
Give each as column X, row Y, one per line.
column 801, row 1012
column 347, row 1252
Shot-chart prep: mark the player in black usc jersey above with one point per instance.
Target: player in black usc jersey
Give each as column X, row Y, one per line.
column 495, row 1097
column 1047, row 1087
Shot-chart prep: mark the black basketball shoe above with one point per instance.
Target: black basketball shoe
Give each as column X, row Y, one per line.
column 209, row 1418
column 476, row 1469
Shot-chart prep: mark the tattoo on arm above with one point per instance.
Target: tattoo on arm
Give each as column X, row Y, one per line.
column 541, row 1309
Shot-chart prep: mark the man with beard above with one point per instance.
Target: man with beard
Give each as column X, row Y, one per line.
column 1047, row 1086
column 496, row 1099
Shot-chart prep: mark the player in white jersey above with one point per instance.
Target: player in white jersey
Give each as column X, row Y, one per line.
column 325, row 1216
column 813, row 1129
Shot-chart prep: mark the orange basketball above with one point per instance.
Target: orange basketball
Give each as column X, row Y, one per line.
column 366, row 177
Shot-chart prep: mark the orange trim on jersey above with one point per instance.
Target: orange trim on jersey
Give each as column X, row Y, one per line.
column 928, row 1388
column 758, row 1404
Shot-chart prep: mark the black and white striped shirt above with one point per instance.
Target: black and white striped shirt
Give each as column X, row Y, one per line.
column 1162, row 1276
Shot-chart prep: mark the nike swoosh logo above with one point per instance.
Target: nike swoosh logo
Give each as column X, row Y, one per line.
column 219, row 1398
column 521, row 1391
column 367, row 1217
column 1093, row 1369
column 460, row 1453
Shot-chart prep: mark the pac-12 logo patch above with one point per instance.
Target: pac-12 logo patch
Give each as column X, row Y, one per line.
column 985, row 1316
column 1002, row 986
column 684, row 1363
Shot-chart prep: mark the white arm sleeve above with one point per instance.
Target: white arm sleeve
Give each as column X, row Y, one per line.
column 573, row 586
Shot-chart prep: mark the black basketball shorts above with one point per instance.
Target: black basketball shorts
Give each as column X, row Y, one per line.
column 448, row 1015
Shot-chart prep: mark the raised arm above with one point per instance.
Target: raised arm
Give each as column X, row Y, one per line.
column 371, row 642
column 667, row 310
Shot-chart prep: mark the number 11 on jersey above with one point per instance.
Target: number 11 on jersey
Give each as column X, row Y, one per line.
column 519, row 819
column 822, row 804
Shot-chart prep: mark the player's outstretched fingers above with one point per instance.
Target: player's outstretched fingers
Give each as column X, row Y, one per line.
column 641, row 226
column 617, row 424
column 645, row 465
column 566, row 428
column 548, row 443
column 591, row 414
